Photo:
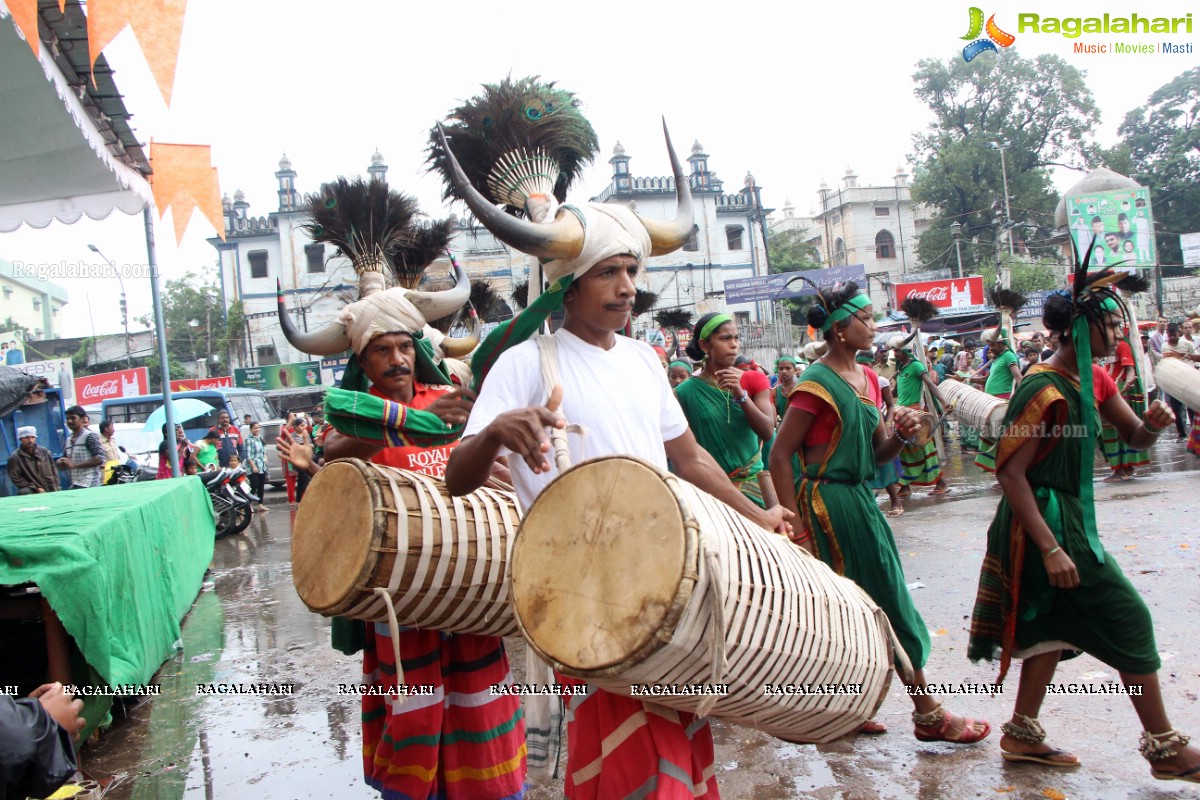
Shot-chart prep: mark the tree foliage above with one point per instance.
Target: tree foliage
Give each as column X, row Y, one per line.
column 790, row 253
column 1160, row 149
column 1041, row 106
column 196, row 325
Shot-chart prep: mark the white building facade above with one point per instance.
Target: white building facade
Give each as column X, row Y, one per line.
column 31, row 302
column 876, row 226
column 259, row 251
column 727, row 239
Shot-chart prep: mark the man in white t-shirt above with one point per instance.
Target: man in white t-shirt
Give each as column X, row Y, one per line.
column 616, row 389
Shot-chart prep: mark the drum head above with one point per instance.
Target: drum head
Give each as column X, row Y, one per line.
column 332, row 536
column 597, row 564
column 924, row 431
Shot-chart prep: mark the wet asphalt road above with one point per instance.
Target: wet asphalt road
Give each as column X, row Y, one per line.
column 249, row 627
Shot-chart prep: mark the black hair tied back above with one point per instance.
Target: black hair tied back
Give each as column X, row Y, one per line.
column 693, row 350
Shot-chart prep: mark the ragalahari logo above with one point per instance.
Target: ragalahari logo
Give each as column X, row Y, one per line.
column 995, row 35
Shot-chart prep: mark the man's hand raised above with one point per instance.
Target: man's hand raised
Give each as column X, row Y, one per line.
column 453, row 407
column 523, row 431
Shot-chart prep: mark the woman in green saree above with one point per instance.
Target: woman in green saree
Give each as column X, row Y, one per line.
column 728, row 410
column 834, row 426
column 1047, row 588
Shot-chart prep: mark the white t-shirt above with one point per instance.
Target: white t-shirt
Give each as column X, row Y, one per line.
column 621, row 396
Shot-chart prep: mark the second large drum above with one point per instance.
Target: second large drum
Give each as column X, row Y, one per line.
column 640, row 583
column 440, row 559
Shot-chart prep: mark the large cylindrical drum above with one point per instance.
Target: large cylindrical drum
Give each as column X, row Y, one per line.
column 441, row 559
column 639, row 583
column 1177, row 378
column 978, row 409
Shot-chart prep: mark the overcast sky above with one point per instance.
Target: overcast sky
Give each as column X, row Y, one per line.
column 792, row 93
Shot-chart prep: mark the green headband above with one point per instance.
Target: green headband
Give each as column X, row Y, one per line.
column 713, row 324
column 788, row 359
column 678, row 363
column 845, row 310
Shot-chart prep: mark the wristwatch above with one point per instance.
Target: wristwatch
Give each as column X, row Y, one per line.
column 739, row 400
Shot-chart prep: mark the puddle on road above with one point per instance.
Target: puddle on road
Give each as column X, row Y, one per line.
column 252, row 628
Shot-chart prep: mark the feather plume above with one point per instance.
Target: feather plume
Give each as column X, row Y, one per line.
column 515, row 138
column 643, row 301
column 424, row 243
column 1009, row 299
column 919, row 310
column 484, row 300
column 1133, row 284
column 520, row 294
column 817, row 289
column 363, row 219
column 1081, row 267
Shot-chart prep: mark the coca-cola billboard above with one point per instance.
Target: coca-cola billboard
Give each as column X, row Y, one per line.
column 91, row 390
column 196, row 384
column 955, row 294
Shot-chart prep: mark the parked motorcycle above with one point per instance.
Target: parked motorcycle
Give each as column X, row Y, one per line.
column 230, row 505
column 129, row 472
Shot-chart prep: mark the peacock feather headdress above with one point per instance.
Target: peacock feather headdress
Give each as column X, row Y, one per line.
column 515, row 141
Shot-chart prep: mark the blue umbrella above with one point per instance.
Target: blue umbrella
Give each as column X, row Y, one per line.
column 185, row 408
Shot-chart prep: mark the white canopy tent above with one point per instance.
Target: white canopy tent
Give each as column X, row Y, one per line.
column 55, row 161
column 66, row 147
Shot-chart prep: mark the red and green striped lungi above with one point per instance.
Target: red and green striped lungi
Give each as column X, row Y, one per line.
column 459, row 743
column 919, row 466
column 619, row 747
column 1118, row 454
column 1193, row 445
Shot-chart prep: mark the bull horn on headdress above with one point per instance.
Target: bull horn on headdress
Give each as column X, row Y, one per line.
column 673, row 348
column 435, row 305
column 900, row 342
column 814, row 350
column 461, row 346
column 549, row 241
column 327, row 341
column 668, row 236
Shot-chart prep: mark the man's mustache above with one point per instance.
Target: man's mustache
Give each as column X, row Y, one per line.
column 397, row 372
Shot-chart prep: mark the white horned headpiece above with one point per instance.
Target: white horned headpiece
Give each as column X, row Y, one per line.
column 375, row 228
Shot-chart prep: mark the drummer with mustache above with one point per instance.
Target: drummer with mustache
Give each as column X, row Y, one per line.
column 462, row 741
column 615, row 389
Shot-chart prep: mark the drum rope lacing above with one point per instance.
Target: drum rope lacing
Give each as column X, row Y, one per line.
column 548, row 347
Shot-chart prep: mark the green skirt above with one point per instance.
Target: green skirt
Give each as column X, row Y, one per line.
column 869, row 558
column 1104, row 616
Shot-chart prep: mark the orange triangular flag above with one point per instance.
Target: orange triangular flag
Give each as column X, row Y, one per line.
column 25, row 16
column 183, row 180
column 157, row 24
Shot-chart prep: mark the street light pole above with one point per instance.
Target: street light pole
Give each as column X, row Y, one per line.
column 124, row 305
column 1002, row 146
column 956, row 231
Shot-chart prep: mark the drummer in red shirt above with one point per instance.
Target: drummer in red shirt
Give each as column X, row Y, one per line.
column 467, row 743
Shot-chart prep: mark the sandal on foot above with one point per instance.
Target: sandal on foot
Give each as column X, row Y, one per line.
column 1161, row 746
column 1029, row 730
column 944, row 722
column 940, row 492
column 894, row 512
column 872, row 728
column 1190, row 775
column 1045, row 758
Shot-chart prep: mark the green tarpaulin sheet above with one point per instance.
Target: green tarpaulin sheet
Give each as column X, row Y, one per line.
column 120, row 565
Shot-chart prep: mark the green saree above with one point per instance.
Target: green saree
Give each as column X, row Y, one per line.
column 1017, row 611
column 851, row 533
column 721, row 428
